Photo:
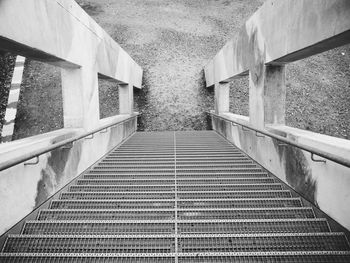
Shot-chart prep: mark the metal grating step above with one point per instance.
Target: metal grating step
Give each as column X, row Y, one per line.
column 88, row 244
column 111, row 204
column 176, row 197
column 135, row 166
column 97, row 228
column 271, row 257
column 254, row 226
column 102, row 214
column 239, row 172
column 228, row 187
column 264, row 242
column 116, row 195
column 244, row 257
column 240, row 203
column 242, row 168
column 122, row 188
column 170, row 165
column 252, row 213
column 133, row 170
column 235, row 194
column 129, row 182
column 221, row 175
column 233, row 180
column 130, row 176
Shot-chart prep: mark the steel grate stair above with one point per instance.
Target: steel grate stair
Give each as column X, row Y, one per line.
column 176, row 197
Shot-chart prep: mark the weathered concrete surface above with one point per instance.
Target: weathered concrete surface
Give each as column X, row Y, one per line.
column 24, row 187
column 61, row 33
column 282, row 32
column 172, row 41
column 61, row 30
column 324, row 184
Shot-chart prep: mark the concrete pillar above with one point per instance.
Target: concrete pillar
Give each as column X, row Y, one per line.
column 126, row 99
column 275, row 95
column 80, row 98
column 267, row 96
column 222, row 97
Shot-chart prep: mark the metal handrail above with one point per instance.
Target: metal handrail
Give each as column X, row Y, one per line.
column 36, row 153
column 312, row 150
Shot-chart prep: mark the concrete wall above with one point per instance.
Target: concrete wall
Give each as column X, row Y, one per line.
column 281, row 32
column 327, row 185
column 59, row 32
column 278, row 33
column 24, row 187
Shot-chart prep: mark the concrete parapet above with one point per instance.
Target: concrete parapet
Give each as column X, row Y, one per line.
column 326, row 185
column 61, row 33
column 25, row 187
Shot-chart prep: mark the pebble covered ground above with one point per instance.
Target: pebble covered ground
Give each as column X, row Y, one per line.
column 172, row 40
column 7, row 63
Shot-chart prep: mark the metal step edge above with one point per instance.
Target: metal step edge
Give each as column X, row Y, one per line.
column 173, row 164
column 180, row 170
column 181, row 210
column 171, row 200
column 181, row 192
column 168, row 255
column 182, row 200
column 132, row 158
column 179, row 221
column 232, row 154
column 316, row 234
column 184, row 209
column 178, row 180
column 215, row 175
column 173, row 185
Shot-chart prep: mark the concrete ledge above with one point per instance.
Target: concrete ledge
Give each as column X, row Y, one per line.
column 281, row 32
column 24, row 187
column 17, row 148
column 333, row 145
column 326, row 185
column 62, row 33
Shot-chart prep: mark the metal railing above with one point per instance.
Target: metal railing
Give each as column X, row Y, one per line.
column 36, row 153
column 312, row 150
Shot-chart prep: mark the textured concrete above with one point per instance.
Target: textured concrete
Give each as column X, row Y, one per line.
column 61, row 33
column 281, row 32
column 24, row 187
column 326, row 185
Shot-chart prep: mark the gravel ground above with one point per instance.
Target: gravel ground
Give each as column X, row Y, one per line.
column 7, row 63
column 40, row 101
column 173, row 40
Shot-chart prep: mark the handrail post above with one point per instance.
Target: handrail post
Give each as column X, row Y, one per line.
column 80, row 108
column 222, row 99
column 126, row 98
column 267, row 95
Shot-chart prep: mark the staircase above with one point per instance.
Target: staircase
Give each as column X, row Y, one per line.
column 176, row 197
